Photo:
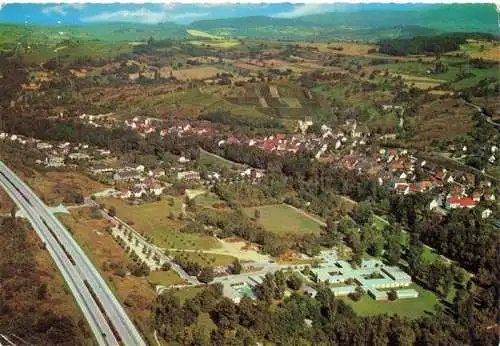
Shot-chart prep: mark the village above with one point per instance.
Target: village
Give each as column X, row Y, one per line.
column 349, row 147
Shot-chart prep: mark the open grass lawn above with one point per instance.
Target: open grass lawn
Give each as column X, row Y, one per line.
column 152, row 219
column 206, row 259
column 478, row 75
column 481, row 49
column 411, row 307
column 208, row 199
column 204, row 34
column 216, row 43
column 493, row 171
column 186, row 293
column 281, row 219
column 210, row 159
column 165, row 278
column 291, row 102
column 212, row 40
column 54, row 187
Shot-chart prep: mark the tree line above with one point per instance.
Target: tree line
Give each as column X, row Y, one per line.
column 438, row 44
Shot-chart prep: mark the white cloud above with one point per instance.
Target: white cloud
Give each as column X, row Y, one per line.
column 58, row 9
column 77, row 6
column 61, row 10
column 302, row 10
column 189, row 15
column 141, row 15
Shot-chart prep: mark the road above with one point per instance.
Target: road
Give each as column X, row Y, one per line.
column 75, row 266
column 481, row 110
column 4, row 340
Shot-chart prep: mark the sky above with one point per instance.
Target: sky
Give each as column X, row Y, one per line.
column 152, row 13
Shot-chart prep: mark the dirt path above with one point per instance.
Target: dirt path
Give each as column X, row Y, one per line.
column 234, row 249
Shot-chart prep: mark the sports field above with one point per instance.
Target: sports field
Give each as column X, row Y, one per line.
column 282, row 219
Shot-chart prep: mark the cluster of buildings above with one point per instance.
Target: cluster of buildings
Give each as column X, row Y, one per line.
column 146, row 126
column 372, row 277
column 348, row 137
column 350, row 147
column 99, row 120
column 57, row 154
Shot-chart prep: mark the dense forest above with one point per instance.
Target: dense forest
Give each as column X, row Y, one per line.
column 429, row 44
column 25, row 309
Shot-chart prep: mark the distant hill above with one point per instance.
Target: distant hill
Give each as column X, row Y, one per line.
column 366, row 23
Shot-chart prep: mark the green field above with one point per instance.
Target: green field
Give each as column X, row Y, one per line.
column 186, row 293
column 205, row 259
column 204, row 34
column 292, row 102
column 211, row 40
column 165, row 278
column 281, row 219
column 153, row 219
column 207, row 199
column 208, row 159
column 411, row 307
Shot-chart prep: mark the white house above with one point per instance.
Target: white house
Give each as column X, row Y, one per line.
column 183, row 159
column 78, row 156
column 54, row 161
column 435, row 203
column 43, row 146
column 486, row 213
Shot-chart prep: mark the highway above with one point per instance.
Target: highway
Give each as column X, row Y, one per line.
column 75, row 266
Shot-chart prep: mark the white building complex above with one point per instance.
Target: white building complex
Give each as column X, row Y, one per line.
column 373, row 276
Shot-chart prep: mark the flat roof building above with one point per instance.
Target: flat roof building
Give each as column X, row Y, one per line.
column 372, row 275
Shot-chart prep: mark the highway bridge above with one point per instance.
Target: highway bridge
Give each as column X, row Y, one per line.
column 104, row 313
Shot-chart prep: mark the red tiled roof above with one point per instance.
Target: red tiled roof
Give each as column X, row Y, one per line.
column 462, row 201
column 440, row 175
column 402, row 187
column 416, row 187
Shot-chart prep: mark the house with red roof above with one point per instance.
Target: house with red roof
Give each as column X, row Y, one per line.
column 402, row 188
column 453, row 202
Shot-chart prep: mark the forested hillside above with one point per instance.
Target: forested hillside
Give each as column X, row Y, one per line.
column 363, row 23
column 32, row 298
